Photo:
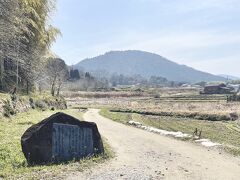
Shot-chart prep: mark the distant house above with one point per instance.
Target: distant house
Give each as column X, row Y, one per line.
column 236, row 87
column 186, row 85
column 217, row 89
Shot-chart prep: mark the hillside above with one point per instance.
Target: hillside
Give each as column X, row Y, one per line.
column 146, row 64
column 230, row 77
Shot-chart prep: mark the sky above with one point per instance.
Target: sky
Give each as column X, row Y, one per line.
column 203, row 34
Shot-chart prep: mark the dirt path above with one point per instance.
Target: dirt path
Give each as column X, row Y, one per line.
column 144, row 155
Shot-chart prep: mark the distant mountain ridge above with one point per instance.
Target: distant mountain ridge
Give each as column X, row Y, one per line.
column 132, row 62
column 229, row 77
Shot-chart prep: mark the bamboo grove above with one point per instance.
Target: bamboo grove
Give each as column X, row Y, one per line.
column 25, row 39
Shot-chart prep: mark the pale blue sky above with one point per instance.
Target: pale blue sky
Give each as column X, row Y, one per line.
column 204, row 34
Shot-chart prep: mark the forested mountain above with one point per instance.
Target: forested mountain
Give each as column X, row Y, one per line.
column 146, row 64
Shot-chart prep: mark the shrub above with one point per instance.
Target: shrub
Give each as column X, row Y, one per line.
column 14, row 100
column 41, row 105
column 32, row 104
column 234, row 116
column 156, row 96
column 57, row 103
column 234, row 97
column 8, row 109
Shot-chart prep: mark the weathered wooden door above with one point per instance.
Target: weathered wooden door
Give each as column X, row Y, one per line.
column 70, row 141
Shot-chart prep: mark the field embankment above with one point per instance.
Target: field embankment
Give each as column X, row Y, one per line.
column 12, row 104
column 193, row 115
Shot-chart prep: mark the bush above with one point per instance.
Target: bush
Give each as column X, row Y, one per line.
column 41, row 105
column 48, row 103
column 57, row 103
column 234, row 97
column 234, row 116
column 8, row 109
column 156, row 96
column 14, row 100
column 32, row 104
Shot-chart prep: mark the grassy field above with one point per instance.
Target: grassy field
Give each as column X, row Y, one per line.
column 180, row 102
column 12, row 162
column 226, row 133
column 175, row 109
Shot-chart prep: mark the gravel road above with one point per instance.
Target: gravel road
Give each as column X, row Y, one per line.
column 145, row 155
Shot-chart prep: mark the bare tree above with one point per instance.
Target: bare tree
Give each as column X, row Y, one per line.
column 57, row 73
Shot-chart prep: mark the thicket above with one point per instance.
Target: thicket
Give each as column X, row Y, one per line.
column 233, row 97
column 25, row 40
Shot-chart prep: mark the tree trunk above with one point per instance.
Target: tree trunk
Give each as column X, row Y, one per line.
column 53, row 86
column 59, row 87
column 53, row 89
column 27, row 87
column 2, row 72
column 58, row 91
column 40, row 88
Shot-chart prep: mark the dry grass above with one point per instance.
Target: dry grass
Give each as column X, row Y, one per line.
column 177, row 109
column 110, row 94
column 198, row 109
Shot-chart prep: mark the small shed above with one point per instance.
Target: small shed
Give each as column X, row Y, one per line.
column 59, row 138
